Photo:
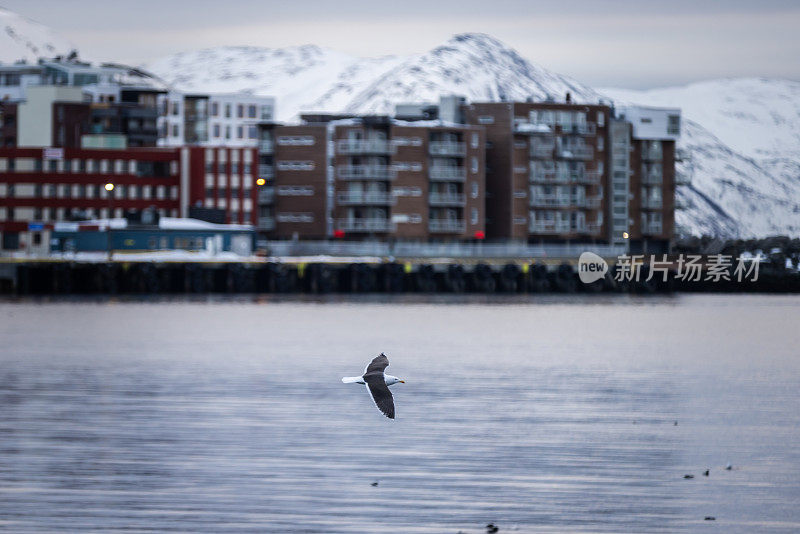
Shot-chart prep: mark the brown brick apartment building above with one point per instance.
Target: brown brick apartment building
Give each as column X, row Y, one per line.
column 371, row 177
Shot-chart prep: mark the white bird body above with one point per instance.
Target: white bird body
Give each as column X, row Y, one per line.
column 388, row 379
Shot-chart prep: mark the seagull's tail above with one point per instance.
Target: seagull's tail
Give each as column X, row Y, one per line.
column 351, row 379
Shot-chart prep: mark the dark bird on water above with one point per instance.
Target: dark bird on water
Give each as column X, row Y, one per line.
column 688, row 476
column 374, row 484
column 378, row 383
column 705, row 473
column 492, row 528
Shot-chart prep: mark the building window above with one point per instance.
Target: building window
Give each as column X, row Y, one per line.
column 239, row 132
column 214, row 109
column 216, row 130
column 240, row 111
column 673, row 124
column 475, row 140
column 474, row 165
column 601, row 118
column 252, row 132
column 474, row 189
column 251, row 111
column 473, row 216
column 227, row 111
column 227, row 132
column 486, row 119
column 176, row 130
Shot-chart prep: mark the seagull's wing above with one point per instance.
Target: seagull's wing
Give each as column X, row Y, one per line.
column 379, row 391
column 378, row 364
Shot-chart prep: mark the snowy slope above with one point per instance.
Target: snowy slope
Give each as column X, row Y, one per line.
column 744, row 139
column 21, row 38
column 301, row 77
column 310, row 78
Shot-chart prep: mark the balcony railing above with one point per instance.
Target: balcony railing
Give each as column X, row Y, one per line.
column 446, row 199
column 447, row 148
column 266, row 171
column 651, row 177
column 652, row 203
column 576, row 152
column 373, row 198
column 562, row 227
column 578, row 129
column 366, row 172
column 266, row 146
column 550, row 201
column 364, row 146
column 365, row 225
column 542, row 150
column 447, row 226
column 652, row 154
column 447, row 174
column 592, row 202
column 549, row 227
column 532, row 128
column 651, row 227
column 266, row 195
column 543, row 175
column 266, row 223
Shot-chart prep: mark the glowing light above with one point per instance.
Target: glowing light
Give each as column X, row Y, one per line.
column 480, row 235
column 109, row 187
column 261, row 181
column 624, row 235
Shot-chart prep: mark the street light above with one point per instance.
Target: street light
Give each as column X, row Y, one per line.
column 109, row 187
column 261, row 181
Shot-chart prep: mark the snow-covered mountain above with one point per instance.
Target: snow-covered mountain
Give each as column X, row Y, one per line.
column 21, row 38
column 744, row 139
column 310, row 78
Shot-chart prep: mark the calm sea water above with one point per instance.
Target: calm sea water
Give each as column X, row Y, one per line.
column 538, row 415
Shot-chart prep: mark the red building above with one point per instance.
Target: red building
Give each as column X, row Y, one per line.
column 41, row 186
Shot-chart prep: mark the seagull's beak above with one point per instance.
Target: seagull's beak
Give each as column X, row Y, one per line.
column 402, row 381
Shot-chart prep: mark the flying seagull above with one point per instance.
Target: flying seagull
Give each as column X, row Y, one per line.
column 378, row 383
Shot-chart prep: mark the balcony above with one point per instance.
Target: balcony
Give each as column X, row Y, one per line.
column 365, row 225
column 586, row 228
column 544, row 176
column 542, row 150
column 550, row 201
column 583, row 177
column 366, row 172
column 652, row 154
column 266, row 223
column 266, row 146
column 549, row 227
column 652, row 176
column 446, row 199
column 447, row 226
column 581, row 152
column 587, row 128
column 266, row 171
column 532, row 128
column 447, row 174
column 447, row 148
column 652, row 203
column 587, row 202
column 364, row 146
column 266, row 195
column 651, row 228
column 368, row 198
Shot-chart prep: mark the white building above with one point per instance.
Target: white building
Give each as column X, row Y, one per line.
column 213, row 119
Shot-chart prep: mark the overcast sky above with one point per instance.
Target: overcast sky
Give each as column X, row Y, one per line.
column 636, row 44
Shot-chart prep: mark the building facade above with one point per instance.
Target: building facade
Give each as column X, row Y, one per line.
column 42, row 186
column 371, row 177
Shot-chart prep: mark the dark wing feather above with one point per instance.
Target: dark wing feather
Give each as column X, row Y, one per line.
column 380, row 393
column 378, row 364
